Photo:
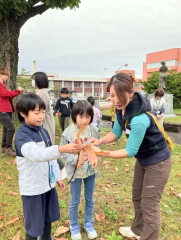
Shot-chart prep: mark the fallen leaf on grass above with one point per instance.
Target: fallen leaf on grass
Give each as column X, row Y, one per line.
column 9, row 177
column 102, row 238
column 66, row 223
column 57, row 137
column 178, row 195
column 15, row 161
column 165, row 205
column 106, row 189
column 96, row 194
column 126, row 170
column 17, row 236
column 126, row 165
column 62, row 238
column 1, row 174
column 117, row 169
column 178, row 175
column 10, row 222
column 100, row 217
column 60, row 230
column 4, row 204
column 3, row 217
column 13, row 193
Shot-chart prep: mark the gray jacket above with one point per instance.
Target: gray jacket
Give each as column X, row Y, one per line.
column 71, row 159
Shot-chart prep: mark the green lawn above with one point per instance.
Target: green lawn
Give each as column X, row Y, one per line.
column 112, row 197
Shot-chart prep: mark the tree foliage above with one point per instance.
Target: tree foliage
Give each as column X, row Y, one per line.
column 16, row 8
column 173, row 85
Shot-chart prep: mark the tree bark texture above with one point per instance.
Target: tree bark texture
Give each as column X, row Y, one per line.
column 9, row 35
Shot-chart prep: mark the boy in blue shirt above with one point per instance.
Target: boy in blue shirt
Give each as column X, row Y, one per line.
column 38, row 168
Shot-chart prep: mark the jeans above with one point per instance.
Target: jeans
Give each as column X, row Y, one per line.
column 8, row 129
column 75, row 190
column 148, row 186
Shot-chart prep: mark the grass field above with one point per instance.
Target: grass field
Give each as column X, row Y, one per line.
column 112, row 198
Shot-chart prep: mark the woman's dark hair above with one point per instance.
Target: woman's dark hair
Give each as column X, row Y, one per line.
column 64, row 90
column 91, row 100
column 4, row 71
column 28, row 102
column 159, row 93
column 123, row 83
column 41, row 80
column 81, row 107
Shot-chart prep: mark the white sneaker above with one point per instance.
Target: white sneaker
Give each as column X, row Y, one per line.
column 126, row 231
column 63, row 174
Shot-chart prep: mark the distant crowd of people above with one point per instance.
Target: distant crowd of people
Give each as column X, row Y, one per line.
column 40, row 164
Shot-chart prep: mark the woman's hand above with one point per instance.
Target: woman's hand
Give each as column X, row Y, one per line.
column 21, row 89
column 70, row 148
column 95, row 141
column 61, row 185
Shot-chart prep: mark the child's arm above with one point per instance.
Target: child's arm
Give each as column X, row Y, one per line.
column 70, row 158
column 26, row 146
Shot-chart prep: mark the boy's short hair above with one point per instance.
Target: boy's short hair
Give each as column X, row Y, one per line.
column 91, row 100
column 81, row 107
column 41, row 80
column 64, row 90
column 159, row 93
column 28, row 102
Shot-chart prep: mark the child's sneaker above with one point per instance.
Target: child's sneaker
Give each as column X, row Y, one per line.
column 91, row 232
column 75, row 233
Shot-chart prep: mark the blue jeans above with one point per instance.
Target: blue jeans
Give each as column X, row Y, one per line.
column 75, row 190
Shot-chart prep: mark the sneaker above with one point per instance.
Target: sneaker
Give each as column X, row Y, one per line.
column 75, row 233
column 91, row 232
column 63, row 174
column 3, row 150
column 126, row 231
column 10, row 152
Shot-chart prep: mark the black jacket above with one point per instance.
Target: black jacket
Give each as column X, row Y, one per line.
column 64, row 105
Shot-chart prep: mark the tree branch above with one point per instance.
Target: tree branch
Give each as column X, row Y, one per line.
column 40, row 9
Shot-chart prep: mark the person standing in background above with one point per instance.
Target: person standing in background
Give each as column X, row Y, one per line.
column 97, row 116
column 6, row 110
column 158, row 105
column 63, row 109
column 40, row 81
column 112, row 111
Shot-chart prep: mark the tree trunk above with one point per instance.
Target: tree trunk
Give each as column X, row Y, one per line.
column 9, row 35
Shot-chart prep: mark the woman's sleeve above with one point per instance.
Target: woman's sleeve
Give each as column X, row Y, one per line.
column 117, row 129
column 139, row 125
column 6, row 93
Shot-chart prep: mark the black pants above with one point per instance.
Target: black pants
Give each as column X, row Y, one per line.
column 46, row 233
column 8, row 129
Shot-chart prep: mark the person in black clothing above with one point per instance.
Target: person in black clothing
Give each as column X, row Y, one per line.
column 63, row 109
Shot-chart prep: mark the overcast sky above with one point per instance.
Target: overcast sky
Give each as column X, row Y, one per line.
column 100, row 34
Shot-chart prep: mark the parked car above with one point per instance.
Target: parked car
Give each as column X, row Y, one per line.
column 74, row 100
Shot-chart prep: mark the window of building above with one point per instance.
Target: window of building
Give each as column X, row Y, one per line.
column 67, row 84
column 77, row 84
column 86, row 84
column 158, row 64
column 97, row 84
column 137, row 85
column 57, row 83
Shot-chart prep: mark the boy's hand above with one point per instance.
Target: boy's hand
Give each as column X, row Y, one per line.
column 61, row 185
column 70, row 148
column 21, row 89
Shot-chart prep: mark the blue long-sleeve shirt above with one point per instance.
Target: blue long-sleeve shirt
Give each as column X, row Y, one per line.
column 139, row 125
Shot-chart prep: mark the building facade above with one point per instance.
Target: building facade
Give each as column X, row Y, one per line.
column 172, row 57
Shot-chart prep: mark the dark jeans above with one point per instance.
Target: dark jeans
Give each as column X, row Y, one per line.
column 148, row 186
column 8, row 129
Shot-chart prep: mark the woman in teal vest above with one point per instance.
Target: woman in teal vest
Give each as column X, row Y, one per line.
column 147, row 144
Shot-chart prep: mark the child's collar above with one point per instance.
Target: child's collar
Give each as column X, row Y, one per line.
column 37, row 128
